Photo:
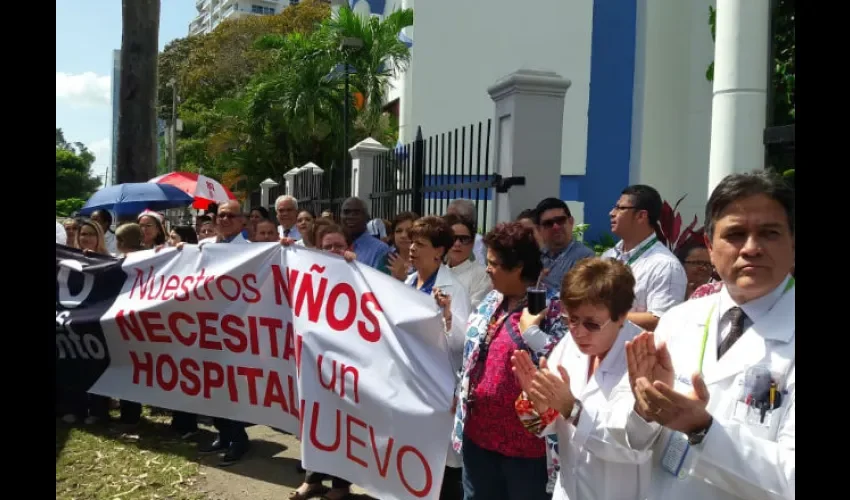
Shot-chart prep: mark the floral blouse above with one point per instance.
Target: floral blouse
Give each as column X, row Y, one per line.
column 538, row 341
column 707, row 289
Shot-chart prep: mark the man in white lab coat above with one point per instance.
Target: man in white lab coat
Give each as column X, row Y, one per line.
column 721, row 378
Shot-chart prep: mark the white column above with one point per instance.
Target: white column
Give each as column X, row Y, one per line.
column 406, row 130
column 529, row 121
column 288, row 181
column 739, row 105
column 264, row 192
column 363, row 155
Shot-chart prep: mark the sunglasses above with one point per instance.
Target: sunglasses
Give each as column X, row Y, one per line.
column 464, row 239
column 590, row 326
column 550, row 223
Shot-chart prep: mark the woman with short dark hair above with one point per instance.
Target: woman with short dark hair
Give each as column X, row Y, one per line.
column 460, row 260
column 398, row 260
column 487, row 430
column 581, row 392
column 430, row 239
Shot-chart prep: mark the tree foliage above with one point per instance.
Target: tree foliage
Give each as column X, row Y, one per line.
column 784, row 51
column 73, row 169
column 66, row 207
column 263, row 94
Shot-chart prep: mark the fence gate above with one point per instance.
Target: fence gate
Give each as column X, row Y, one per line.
column 426, row 174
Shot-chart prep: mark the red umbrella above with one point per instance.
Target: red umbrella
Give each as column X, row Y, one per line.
column 204, row 189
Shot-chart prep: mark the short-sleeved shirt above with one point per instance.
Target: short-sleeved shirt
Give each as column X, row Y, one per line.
column 660, row 279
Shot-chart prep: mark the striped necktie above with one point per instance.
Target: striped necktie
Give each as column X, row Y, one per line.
column 737, row 316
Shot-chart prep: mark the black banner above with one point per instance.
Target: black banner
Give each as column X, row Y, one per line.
column 86, row 287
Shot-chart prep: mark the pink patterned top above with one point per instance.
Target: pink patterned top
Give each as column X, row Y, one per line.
column 492, row 422
column 707, row 289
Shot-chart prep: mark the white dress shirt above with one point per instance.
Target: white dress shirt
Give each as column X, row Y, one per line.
column 475, row 279
column 479, row 250
column 660, row 279
column 293, row 232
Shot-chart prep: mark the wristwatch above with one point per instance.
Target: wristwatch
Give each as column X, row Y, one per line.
column 696, row 437
column 576, row 411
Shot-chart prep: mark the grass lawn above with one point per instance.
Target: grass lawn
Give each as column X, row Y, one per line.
column 101, row 462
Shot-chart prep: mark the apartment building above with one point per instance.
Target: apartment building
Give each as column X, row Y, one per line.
column 212, row 12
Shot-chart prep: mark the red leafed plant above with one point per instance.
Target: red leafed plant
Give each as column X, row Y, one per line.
column 670, row 227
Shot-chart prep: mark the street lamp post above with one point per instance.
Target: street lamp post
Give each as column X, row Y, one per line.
column 346, row 45
column 172, row 136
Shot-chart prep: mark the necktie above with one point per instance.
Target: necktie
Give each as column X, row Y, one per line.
column 736, row 316
column 286, row 233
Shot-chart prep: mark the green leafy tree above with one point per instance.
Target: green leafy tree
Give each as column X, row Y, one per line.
column 73, row 170
column 223, row 62
column 66, row 207
column 262, row 95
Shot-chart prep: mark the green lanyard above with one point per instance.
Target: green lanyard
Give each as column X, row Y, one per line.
column 641, row 252
column 788, row 287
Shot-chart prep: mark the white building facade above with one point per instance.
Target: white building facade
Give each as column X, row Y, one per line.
column 638, row 109
column 212, row 12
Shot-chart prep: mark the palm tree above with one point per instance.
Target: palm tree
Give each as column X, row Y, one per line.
column 381, row 56
column 298, row 92
column 136, row 155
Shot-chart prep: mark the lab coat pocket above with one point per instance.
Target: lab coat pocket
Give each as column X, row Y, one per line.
column 761, row 422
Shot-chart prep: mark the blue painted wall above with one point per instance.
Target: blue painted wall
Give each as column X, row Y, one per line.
column 609, row 128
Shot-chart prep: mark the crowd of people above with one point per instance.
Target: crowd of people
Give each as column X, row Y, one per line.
column 643, row 376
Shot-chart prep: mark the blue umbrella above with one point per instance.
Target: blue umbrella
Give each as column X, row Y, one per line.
column 134, row 197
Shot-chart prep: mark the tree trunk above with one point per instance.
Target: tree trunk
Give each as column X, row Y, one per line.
column 138, row 91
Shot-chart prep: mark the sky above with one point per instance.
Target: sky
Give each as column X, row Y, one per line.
column 86, row 34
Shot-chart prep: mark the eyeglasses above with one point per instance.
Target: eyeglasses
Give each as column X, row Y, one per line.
column 559, row 220
column 336, row 247
column 590, row 326
column 701, row 264
column 228, row 215
column 620, row 208
column 464, row 239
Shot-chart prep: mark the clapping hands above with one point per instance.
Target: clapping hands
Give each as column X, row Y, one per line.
column 651, row 376
column 545, row 389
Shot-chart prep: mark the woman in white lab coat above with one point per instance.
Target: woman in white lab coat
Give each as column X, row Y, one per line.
column 582, row 393
column 430, row 238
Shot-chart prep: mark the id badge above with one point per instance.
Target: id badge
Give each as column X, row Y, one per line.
column 675, row 453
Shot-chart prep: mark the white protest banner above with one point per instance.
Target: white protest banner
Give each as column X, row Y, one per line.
column 220, row 331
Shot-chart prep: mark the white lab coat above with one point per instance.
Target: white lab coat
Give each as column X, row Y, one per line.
column 61, row 235
column 736, row 459
column 475, row 279
column 214, row 239
column 456, row 335
column 597, row 461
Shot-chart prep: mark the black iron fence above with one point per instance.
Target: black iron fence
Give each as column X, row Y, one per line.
column 425, row 175
column 317, row 190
